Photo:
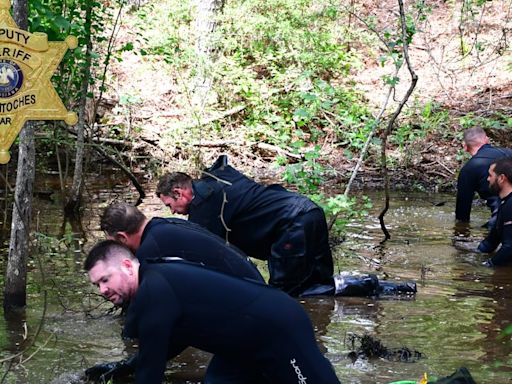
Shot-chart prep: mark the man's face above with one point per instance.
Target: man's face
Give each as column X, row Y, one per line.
column 493, row 180
column 178, row 200
column 115, row 279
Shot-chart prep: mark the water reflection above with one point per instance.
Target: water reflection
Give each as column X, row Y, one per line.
column 15, row 342
column 495, row 314
column 454, row 320
column 444, row 322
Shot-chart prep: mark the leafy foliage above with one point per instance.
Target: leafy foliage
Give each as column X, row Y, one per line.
column 287, row 63
column 420, row 121
column 59, row 19
column 308, row 176
column 287, row 60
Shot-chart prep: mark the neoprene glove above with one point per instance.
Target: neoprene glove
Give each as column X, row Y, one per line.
column 101, row 373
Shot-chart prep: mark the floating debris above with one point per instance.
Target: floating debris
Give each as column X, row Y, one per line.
column 367, row 346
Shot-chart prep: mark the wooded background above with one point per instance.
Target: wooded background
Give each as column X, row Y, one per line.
column 309, row 93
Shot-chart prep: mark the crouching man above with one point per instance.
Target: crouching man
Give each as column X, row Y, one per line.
column 256, row 333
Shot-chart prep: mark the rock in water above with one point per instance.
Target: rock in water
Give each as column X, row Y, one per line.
column 69, row 378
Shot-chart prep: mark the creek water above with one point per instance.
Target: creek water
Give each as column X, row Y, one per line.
column 454, row 320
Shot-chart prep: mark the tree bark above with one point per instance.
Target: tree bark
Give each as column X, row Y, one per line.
column 15, row 290
column 205, row 24
column 75, row 195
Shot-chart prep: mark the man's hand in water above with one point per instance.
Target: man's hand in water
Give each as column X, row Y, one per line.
column 465, row 244
column 488, row 263
column 105, row 371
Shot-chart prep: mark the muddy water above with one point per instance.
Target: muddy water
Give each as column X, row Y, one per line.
column 454, row 320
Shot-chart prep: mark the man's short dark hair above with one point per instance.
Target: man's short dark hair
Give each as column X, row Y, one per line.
column 103, row 250
column 169, row 181
column 503, row 166
column 121, row 217
column 474, row 135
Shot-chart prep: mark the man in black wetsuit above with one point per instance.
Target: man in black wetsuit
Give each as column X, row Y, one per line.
column 256, row 333
column 173, row 238
column 473, row 175
column 266, row 222
column 500, row 182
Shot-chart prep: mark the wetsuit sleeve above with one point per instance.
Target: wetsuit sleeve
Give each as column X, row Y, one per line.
column 157, row 310
column 491, row 242
column 465, row 193
column 504, row 254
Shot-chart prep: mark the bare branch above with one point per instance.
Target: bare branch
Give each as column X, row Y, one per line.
column 389, row 129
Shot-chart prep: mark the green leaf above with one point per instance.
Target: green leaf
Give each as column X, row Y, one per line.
column 309, row 97
column 61, row 22
column 127, row 47
column 301, row 113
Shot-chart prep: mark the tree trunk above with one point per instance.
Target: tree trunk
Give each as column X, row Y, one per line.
column 73, row 203
column 15, row 290
column 205, row 24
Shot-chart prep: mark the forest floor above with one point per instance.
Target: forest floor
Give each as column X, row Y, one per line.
column 478, row 84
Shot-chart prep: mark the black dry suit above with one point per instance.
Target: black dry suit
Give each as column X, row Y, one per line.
column 473, row 178
column 266, row 222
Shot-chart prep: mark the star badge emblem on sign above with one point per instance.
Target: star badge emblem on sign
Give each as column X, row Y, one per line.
column 27, row 63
